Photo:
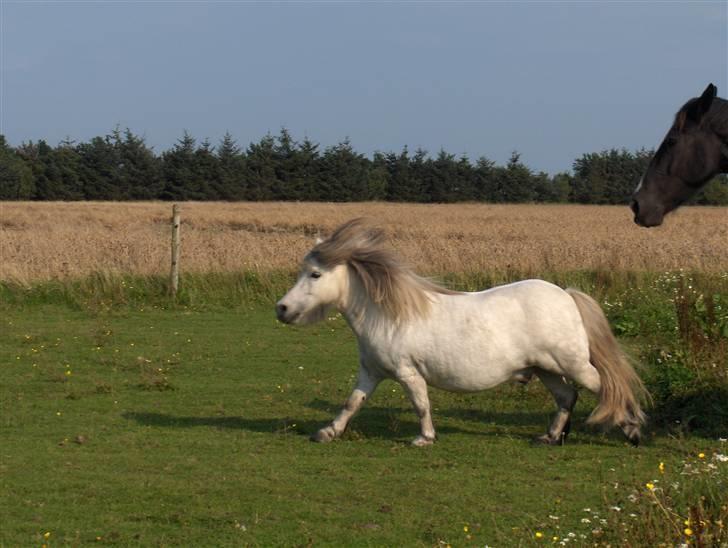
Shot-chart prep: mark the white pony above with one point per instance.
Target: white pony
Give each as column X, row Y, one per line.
column 418, row 333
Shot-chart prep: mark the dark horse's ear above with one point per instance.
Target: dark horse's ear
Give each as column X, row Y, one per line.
column 697, row 108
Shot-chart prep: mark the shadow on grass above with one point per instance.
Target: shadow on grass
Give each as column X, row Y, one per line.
column 526, row 425
column 533, row 419
column 279, row 425
column 385, row 423
column 375, row 423
column 702, row 412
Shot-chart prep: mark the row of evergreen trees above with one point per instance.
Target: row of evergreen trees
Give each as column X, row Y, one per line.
column 120, row 166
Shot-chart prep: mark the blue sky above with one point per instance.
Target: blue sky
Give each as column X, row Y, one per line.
column 552, row 80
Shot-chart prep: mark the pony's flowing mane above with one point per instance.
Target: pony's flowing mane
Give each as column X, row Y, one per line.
column 387, row 280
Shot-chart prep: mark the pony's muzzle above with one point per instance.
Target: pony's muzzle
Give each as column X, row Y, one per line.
column 281, row 310
column 285, row 314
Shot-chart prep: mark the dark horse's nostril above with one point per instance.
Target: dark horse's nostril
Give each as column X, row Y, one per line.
column 281, row 309
column 635, row 207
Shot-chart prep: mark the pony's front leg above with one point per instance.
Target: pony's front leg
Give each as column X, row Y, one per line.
column 416, row 388
column 365, row 385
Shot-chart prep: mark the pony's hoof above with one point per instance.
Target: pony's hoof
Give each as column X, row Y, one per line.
column 547, row 440
column 324, row 435
column 422, row 441
column 632, row 433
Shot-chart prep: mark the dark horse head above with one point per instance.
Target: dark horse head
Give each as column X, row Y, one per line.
column 693, row 151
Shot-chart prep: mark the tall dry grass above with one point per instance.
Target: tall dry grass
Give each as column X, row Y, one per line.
column 41, row 241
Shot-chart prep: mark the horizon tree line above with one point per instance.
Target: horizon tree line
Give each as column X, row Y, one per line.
column 120, row 166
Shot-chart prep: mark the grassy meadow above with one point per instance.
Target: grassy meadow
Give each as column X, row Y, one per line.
column 127, row 418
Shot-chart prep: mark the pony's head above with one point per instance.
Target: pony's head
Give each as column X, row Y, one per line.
column 318, row 288
column 354, row 265
column 686, row 159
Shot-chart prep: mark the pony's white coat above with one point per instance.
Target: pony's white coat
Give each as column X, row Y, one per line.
column 474, row 341
column 465, row 342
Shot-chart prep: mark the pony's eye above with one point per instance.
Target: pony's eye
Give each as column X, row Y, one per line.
column 315, row 274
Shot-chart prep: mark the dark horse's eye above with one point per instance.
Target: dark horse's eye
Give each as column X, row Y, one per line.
column 315, row 274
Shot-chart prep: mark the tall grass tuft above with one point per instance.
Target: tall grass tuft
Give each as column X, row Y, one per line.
column 682, row 504
column 103, row 291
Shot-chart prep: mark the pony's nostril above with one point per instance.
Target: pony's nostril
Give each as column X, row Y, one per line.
column 281, row 308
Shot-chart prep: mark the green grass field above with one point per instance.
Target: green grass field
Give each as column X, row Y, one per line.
column 137, row 424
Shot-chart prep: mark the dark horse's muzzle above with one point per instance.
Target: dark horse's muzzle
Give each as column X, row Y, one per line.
column 644, row 214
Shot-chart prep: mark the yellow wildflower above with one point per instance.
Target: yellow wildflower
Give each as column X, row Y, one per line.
column 539, row 534
column 701, row 455
column 662, row 467
column 650, row 485
column 688, row 531
column 47, row 535
column 465, row 528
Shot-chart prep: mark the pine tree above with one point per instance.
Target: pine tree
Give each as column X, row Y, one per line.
column 377, row 178
column 517, row 185
column 180, row 171
column 261, row 170
column 140, row 171
column 485, row 181
column 285, row 160
column 344, row 174
column 230, row 181
column 16, row 177
column 403, row 187
column 99, row 169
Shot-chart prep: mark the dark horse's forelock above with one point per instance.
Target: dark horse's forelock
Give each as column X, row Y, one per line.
column 718, row 118
column 388, row 281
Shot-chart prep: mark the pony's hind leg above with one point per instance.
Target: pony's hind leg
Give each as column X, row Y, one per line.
column 630, row 420
column 565, row 396
column 365, row 385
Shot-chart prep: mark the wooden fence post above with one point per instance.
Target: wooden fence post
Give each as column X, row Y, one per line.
column 174, row 274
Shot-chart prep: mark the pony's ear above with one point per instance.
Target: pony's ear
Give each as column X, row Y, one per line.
column 701, row 105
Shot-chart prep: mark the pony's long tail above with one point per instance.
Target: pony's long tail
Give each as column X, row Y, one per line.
column 621, row 389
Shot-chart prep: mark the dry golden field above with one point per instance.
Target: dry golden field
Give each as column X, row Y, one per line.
column 40, row 241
